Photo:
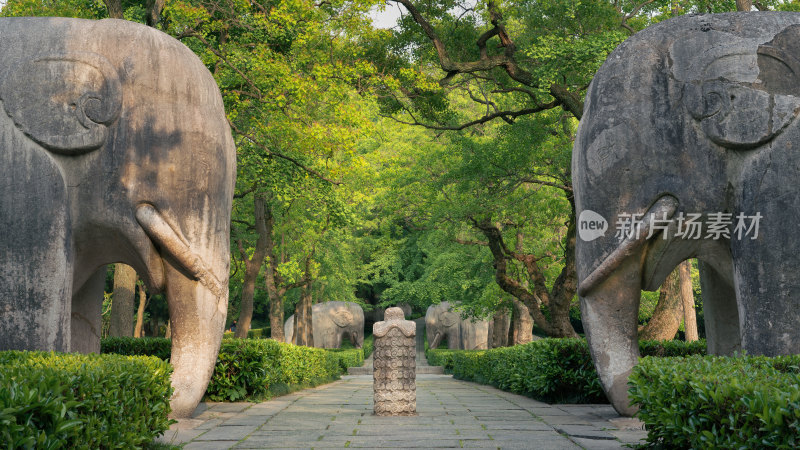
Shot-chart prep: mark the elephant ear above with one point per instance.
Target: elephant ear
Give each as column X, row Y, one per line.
column 342, row 318
column 448, row 318
column 64, row 102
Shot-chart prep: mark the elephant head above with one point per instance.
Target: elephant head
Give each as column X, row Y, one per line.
column 690, row 123
column 115, row 147
column 440, row 322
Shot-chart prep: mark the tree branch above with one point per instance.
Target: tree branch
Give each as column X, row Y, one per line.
column 297, row 163
column 486, row 62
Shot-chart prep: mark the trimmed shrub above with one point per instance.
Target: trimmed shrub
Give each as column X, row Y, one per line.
column 550, row 370
column 369, row 345
column 254, row 368
column 148, row 346
column 351, row 357
column 719, row 402
column 53, row 400
column 254, row 333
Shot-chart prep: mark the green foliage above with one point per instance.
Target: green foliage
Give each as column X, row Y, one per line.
column 719, row 402
column 550, row 370
column 369, row 345
column 351, row 357
column 251, row 368
column 254, row 333
column 149, row 346
column 255, row 368
column 52, row 400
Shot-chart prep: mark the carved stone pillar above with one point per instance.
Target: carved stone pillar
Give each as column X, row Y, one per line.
column 395, row 365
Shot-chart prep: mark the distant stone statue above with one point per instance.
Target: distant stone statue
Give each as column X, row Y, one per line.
column 114, row 147
column 395, row 365
column 461, row 334
column 331, row 322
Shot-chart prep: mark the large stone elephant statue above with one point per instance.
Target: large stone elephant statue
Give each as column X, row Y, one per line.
column 461, row 334
column 330, row 322
column 114, row 147
column 688, row 132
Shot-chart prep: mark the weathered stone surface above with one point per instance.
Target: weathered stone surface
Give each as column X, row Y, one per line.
column 330, row 323
column 394, row 373
column 462, row 334
column 694, row 115
column 114, row 147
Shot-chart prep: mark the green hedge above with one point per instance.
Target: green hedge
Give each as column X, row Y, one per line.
column 369, row 345
column 550, row 370
column 719, row 402
column 53, row 400
column 254, row 333
column 149, row 346
column 256, row 368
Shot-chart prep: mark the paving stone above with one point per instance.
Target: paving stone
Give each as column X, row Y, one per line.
column 213, row 445
column 228, row 407
column 602, row 444
column 411, row 442
column 544, row 444
column 208, row 424
column 584, row 432
column 178, row 436
column 524, row 426
column 626, row 423
column 629, row 437
column 226, row 433
column 241, row 420
column 563, row 420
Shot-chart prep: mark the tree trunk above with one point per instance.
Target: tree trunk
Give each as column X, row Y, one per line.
column 500, row 329
column 114, row 9
column 271, row 281
column 557, row 299
column 744, row 5
column 122, row 301
column 667, row 316
column 523, row 324
column 138, row 331
column 303, row 332
column 168, row 331
column 252, row 266
column 153, row 14
column 687, row 299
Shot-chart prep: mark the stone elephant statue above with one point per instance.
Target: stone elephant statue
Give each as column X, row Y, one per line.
column 461, row 334
column 688, row 134
column 114, row 147
column 330, row 321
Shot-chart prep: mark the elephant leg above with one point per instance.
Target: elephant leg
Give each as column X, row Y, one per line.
column 720, row 312
column 35, row 251
column 767, row 268
column 87, row 310
column 610, row 315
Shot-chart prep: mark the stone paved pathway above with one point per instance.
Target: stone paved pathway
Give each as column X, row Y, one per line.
column 451, row 414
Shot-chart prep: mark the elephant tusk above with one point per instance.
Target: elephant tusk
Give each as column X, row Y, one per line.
column 170, row 240
column 664, row 207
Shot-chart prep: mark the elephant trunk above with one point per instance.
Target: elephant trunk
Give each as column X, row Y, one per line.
column 610, row 313
column 437, row 338
column 357, row 339
column 197, row 316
